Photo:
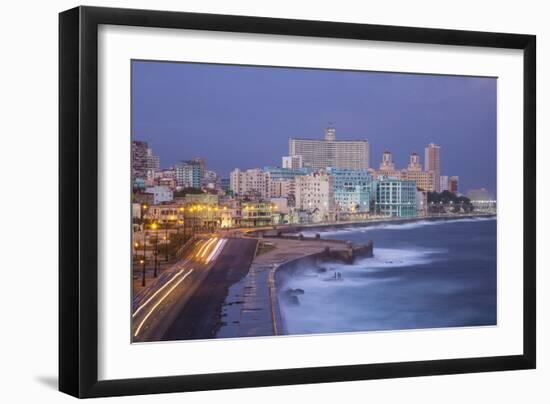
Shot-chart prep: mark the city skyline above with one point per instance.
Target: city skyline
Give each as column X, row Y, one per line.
column 210, row 93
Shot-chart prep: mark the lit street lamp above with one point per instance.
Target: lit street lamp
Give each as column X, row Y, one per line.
column 144, row 257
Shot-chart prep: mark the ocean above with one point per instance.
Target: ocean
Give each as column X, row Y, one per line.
column 426, row 274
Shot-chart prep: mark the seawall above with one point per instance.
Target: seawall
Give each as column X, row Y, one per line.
column 287, row 268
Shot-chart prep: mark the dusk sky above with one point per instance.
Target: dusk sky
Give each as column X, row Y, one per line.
column 237, row 116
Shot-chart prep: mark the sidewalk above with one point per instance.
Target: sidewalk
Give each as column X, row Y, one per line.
column 248, row 309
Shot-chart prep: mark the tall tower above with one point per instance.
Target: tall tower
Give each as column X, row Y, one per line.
column 330, row 133
column 414, row 162
column 387, row 161
column 432, row 162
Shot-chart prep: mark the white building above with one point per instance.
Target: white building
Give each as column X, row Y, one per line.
column 315, row 196
column 160, row 193
column 293, row 162
column 421, row 203
column 443, row 183
column 329, row 152
column 253, row 182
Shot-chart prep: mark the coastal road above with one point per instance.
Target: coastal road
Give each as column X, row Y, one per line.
column 182, row 303
column 200, row 317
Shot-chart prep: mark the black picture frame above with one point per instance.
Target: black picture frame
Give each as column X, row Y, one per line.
column 78, row 201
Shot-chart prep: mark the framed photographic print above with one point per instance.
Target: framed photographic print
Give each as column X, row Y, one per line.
column 252, row 201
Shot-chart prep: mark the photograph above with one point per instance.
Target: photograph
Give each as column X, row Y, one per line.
column 272, row 201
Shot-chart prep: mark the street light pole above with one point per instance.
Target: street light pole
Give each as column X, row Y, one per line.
column 166, row 241
column 143, row 261
column 156, row 253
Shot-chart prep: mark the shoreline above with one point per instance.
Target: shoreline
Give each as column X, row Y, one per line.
column 268, row 231
column 275, row 284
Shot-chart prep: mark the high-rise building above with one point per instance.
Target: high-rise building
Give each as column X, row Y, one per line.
column 292, row 162
column 144, row 163
column 314, row 195
column 352, row 190
column 453, row 184
column 188, row 174
column 432, row 162
column 329, row 152
column 396, row 197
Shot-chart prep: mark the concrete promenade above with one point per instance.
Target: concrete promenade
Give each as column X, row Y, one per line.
column 250, row 308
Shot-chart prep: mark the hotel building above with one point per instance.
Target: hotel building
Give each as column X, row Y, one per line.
column 425, row 180
column 329, row 152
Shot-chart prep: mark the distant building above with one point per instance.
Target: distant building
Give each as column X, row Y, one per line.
column 144, row 162
column 188, row 174
column 480, row 194
column 282, row 188
column 329, row 152
column 396, row 197
column 160, row 194
column 425, row 180
column 292, row 162
column 225, row 184
column 421, row 203
column 453, row 184
column 252, row 182
column 210, row 180
column 432, row 162
column 209, row 200
column 352, row 190
column 482, row 200
column 165, row 178
column 315, row 196
column 202, row 165
column 387, row 167
column 257, row 213
column 443, row 183
column 168, row 213
column 231, row 214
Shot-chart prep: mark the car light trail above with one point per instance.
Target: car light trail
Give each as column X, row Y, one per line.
column 160, row 301
column 199, row 245
column 216, row 251
column 204, row 247
column 157, row 292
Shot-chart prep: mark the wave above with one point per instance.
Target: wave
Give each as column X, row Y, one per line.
column 395, row 226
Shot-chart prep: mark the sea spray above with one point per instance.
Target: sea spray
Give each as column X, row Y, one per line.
column 426, row 276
